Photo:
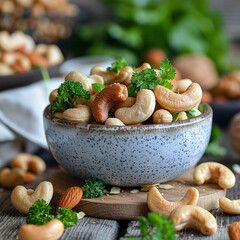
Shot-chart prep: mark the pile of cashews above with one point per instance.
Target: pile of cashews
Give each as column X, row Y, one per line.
column 19, row 53
column 24, row 167
column 186, row 213
column 148, row 106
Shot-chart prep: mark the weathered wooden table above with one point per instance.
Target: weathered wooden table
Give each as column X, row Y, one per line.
column 106, row 229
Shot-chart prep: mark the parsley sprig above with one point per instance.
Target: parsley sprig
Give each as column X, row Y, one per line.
column 39, row 214
column 155, row 227
column 148, row 79
column 67, row 216
column 68, row 92
column 93, row 188
column 118, row 65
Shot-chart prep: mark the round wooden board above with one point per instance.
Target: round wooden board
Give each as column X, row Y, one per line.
column 130, row 206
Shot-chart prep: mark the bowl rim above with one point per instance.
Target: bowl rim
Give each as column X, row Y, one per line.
column 61, row 122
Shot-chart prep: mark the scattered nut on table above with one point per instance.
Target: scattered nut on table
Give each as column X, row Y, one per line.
column 22, row 198
column 11, row 177
column 213, row 172
column 156, row 202
column 27, row 162
column 52, row 230
column 230, row 206
column 195, row 217
column 234, row 231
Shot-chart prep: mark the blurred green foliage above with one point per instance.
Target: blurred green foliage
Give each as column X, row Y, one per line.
column 175, row 26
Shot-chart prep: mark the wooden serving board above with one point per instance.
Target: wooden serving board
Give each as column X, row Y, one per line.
column 130, row 206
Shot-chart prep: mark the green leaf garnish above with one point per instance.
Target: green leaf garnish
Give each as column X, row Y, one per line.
column 118, row 65
column 191, row 113
column 98, row 87
column 131, row 91
column 67, row 216
column 214, row 149
column 175, row 116
column 93, row 188
column 68, row 92
column 202, row 107
column 39, row 213
column 166, row 70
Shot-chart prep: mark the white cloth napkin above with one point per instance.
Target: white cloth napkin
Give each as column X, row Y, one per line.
column 21, row 112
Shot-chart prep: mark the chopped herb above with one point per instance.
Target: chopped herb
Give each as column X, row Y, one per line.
column 93, row 188
column 131, row 91
column 68, row 92
column 98, row 87
column 118, row 65
column 202, row 107
column 175, row 116
column 39, row 213
column 67, row 216
column 191, row 113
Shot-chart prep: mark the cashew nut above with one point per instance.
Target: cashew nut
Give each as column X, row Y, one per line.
column 174, row 102
column 162, row 116
column 27, row 162
column 129, row 102
column 22, row 199
column 96, row 79
column 183, row 85
column 230, row 206
column 81, row 114
column 112, row 77
column 215, row 173
column 182, row 116
column 195, row 217
column 11, row 177
column 53, row 96
column 52, row 230
column 144, row 66
column 114, row 122
column 79, row 77
column 106, row 99
column 140, row 111
column 156, row 202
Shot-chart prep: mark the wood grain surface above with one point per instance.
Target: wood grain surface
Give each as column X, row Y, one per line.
column 130, row 206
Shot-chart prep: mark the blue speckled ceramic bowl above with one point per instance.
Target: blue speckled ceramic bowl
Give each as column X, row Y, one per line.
column 128, row 155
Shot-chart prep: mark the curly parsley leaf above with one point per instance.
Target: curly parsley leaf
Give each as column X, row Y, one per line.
column 93, row 188
column 67, row 216
column 118, row 65
column 131, row 91
column 147, row 79
column 39, row 213
column 98, row 87
column 166, row 70
column 155, row 227
column 68, row 92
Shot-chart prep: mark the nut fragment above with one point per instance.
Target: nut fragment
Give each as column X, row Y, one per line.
column 27, row 162
column 165, row 186
column 183, row 85
column 214, row 172
column 229, row 206
column 195, row 217
column 174, row 102
column 234, row 231
column 115, row 190
column 156, row 202
column 106, row 99
column 11, row 177
column 52, row 230
column 70, row 198
column 22, row 199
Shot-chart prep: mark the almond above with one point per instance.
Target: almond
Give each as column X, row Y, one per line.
column 70, row 198
column 234, row 231
column 29, row 177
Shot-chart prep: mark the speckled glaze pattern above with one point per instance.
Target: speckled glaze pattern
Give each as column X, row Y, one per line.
column 128, row 155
